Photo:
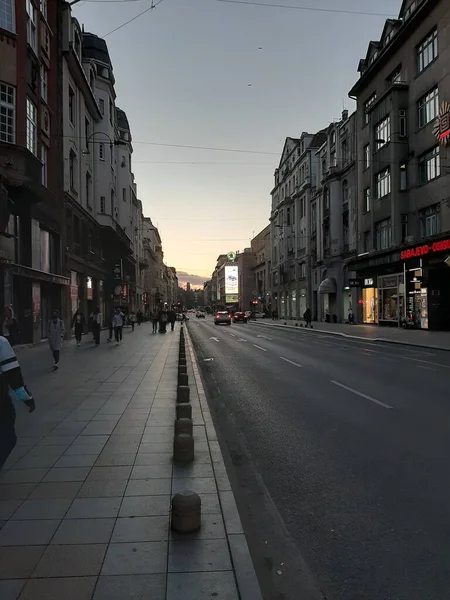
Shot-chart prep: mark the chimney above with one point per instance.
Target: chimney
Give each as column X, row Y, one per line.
column 344, row 114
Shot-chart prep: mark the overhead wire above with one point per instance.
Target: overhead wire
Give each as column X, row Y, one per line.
column 308, row 8
column 153, row 6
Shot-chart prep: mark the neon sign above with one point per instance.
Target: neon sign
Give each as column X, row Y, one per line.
column 425, row 249
column 441, row 127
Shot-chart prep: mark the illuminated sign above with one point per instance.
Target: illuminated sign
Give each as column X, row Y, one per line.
column 231, row 284
column 368, row 282
column 441, row 127
column 425, row 249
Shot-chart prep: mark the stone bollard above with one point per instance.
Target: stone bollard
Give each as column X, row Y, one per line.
column 183, row 379
column 184, row 410
column 182, row 370
column 186, row 512
column 184, row 426
column 183, row 393
column 183, row 448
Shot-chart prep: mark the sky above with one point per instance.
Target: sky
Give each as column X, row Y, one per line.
column 225, row 76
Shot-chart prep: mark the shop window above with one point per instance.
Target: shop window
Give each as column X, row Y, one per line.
column 383, row 234
column 430, row 221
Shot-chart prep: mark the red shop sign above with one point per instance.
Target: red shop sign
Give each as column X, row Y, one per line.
column 425, row 249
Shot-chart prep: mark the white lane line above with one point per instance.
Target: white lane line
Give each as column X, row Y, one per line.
column 291, row 362
column 373, row 351
column 241, row 340
column 427, row 362
column 215, row 339
column 427, row 368
column 259, row 348
column 264, row 336
column 232, row 335
column 390, row 359
column 349, row 389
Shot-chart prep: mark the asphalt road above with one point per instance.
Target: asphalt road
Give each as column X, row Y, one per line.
column 338, row 451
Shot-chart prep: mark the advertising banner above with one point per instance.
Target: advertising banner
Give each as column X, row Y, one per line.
column 231, row 284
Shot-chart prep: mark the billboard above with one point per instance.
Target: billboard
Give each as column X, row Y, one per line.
column 231, row 284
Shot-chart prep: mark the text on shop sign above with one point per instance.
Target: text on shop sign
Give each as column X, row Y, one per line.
column 425, row 249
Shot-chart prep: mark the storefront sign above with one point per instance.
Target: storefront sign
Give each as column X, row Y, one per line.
column 425, row 249
column 368, row 282
column 354, row 283
column 442, row 125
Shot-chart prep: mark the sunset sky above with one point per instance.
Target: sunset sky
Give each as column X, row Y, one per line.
column 229, row 77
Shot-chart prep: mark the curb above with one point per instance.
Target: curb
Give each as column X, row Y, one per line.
column 246, row 579
column 356, row 337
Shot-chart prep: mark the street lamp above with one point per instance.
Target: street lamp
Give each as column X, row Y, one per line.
column 111, row 142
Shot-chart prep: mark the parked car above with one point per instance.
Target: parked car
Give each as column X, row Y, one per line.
column 240, row 316
column 222, row 317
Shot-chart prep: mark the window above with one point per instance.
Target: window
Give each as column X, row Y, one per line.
column 44, row 164
column 333, row 159
column 72, row 168
column 124, row 194
column 395, row 76
column 367, row 200
column 366, row 241
column 31, row 127
column 87, row 130
column 367, row 106
column 88, row 190
column 112, row 203
column 326, row 198
column 404, row 227
column 428, row 107
column 46, row 41
column 382, row 132
column 313, row 217
column 71, row 106
column 344, row 147
column 345, row 193
column 101, row 151
column 7, row 15
column 101, row 105
column 111, row 109
column 345, row 229
column 43, row 4
column 383, row 183
column 427, row 51
column 367, row 156
column 383, row 234
column 7, row 113
column 302, row 270
column 31, row 25
column 102, row 204
column 44, row 83
column 403, row 177
column 430, row 221
column 429, row 165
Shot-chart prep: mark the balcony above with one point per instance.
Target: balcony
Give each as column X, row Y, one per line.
column 114, row 232
column 21, row 172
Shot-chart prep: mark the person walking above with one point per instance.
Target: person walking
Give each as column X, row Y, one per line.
column 9, row 327
column 171, row 317
column 139, row 317
column 111, row 328
column 56, row 333
column 118, row 325
column 163, row 320
column 155, row 319
column 78, row 324
column 132, row 319
column 307, row 315
column 97, row 325
column 12, row 391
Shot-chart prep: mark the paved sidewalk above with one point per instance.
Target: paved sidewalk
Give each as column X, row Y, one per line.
column 85, row 499
column 438, row 340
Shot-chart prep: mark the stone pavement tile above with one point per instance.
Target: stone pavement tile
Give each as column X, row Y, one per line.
column 42, row 509
column 81, row 449
column 64, row 489
column 83, row 415
column 16, row 491
column 87, row 440
column 94, row 508
column 194, row 469
column 212, row 529
column 109, row 473
column 210, row 503
column 200, row 485
column 56, row 440
column 158, row 447
column 67, row 474
column 141, row 529
column 127, row 428
column 28, row 533
column 19, row 561
column 131, row 587
column 245, row 572
column 199, row 555
column 11, row 588
column 110, row 418
column 230, row 513
column 9, row 507
column 23, row 476
column 199, row 433
column 149, row 487
column 103, row 489
column 71, row 561
column 76, row 460
column 130, row 418
column 109, row 459
column 84, row 531
column 152, row 472
column 153, row 459
column 219, row 585
column 135, row 558
column 144, row 506
column 63, row 588
column 40, row 458
column 99, row 428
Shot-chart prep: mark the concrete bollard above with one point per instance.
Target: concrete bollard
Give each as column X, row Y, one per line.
column 183, row 379
column 182, row 370
column 183, row 448
column 186, row 512
column 184, row 426
column 183, row 393
column 184, row 410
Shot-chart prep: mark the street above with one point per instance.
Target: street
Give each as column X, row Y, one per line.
column 337, row 451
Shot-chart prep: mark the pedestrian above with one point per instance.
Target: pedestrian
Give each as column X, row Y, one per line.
column 110, row 324
column 171, row 317
column 78, row 324
column 163, row 320
column 307, row 315
column 139, row 317
column 154, row 318
column 132, row 319
column 56, row 333
column 117, row 323
column 9, row 326
column 97, row 325
column 12, row 391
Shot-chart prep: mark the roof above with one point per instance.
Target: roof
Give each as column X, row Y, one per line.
column 95, row 48
column 319, row 138
column 122, row 120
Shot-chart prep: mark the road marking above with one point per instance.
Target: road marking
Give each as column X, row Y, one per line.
column 264, row 336
column 232, row 335
column 426, row 362
column 291, row 362
column 215, row 339
column 349, row 389
column 259, row 348
column 241, row 340
column 427, row 368
column 368, row 350
column 390, row 359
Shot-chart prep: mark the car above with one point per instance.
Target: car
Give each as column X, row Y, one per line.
column 200, row 315
column 222, row 317
column 240, row 316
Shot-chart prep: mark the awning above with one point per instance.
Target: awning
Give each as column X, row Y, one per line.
column 328, row 286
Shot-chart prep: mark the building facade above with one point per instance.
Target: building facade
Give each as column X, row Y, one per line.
column 247, row 293
column 403, row 123
column 260, row 246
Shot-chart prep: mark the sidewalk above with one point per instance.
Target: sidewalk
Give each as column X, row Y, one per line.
column 437, row 340
column 85, row 499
